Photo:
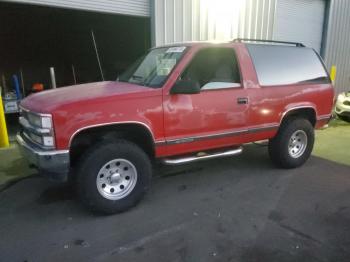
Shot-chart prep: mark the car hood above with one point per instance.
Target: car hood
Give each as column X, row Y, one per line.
column 48, row 101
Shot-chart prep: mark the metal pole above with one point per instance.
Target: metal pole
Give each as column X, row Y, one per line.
column 53, row 78
column 74, row 76
column 97, row 55
column 4, row 86
column 22, row 82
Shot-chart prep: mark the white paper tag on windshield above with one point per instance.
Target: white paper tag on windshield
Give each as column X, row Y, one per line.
column 176, row 49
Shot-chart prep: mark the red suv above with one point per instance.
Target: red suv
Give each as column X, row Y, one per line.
column 178, row 103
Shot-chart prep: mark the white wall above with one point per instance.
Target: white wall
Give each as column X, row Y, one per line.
column 300, row 21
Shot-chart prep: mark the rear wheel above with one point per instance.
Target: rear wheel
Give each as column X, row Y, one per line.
column 112, row 177
column 293, row 144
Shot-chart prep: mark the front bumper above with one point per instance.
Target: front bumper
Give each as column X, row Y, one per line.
column 51, row 163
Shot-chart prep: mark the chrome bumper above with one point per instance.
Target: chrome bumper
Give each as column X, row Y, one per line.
column 51, row 163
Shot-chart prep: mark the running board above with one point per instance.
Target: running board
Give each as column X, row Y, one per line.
column 201, row 156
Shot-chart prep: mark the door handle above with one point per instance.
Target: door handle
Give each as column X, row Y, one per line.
column 242, row 100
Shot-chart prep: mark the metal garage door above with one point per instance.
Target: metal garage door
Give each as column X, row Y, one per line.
column 300, row 21
column 127, row 7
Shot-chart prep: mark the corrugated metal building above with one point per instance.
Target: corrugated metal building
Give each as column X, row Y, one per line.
column 126, row 7
column 187, row 20
column 337, row 42
column 321, row 24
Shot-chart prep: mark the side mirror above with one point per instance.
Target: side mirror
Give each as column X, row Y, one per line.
column 185, row 87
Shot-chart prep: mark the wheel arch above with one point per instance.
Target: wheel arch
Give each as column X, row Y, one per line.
column 308, row 111
column 136, row 132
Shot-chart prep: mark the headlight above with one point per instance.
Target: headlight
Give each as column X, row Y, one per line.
column 40, row 121
column 43, row 140
column 36, row 138
column 39, row 128
column 341, row 98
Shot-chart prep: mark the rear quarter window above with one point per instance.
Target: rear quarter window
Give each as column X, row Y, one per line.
column 285, row 65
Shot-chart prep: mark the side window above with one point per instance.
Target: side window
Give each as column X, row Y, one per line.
column 283, row 65
column 213, row 68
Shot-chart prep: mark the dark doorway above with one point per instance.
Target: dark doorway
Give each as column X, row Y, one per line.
column 35, row 38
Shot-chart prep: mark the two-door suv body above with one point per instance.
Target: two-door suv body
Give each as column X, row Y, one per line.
column 178, row 103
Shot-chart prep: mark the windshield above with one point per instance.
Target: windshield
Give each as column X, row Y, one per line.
column 153, row 68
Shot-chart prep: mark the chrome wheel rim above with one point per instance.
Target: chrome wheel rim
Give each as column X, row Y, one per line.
column 116, row 179
column 297, row 144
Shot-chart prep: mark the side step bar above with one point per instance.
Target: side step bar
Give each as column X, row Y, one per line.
column 201, row 156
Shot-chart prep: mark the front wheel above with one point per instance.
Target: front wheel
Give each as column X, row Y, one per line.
column 293, row 144
column 113, row 176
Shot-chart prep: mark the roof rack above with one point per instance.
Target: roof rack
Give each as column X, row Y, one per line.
column 238, row 40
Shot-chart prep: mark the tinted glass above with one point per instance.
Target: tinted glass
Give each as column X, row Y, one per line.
column 283, row 65
column 213, row 65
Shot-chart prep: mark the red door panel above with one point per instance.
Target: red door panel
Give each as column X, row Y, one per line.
column 209, row 115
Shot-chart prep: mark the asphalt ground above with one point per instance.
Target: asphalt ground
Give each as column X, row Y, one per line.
column 233, row 209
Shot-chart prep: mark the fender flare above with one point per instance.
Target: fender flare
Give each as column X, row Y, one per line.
column 143, row 125
column 294, row 108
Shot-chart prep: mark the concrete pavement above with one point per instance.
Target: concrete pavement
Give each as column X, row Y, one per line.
column 333, row 143
column 13, row 166
column 236, row 209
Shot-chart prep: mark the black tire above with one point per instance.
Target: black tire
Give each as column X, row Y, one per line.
column 97, row 157
column 344, row 118
column 279, row 145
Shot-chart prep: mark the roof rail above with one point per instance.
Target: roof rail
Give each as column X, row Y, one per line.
column 239, row 40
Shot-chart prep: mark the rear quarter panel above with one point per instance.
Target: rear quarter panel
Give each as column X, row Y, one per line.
column 270, row 103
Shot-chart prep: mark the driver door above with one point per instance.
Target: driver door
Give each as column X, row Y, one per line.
column 214, row 117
